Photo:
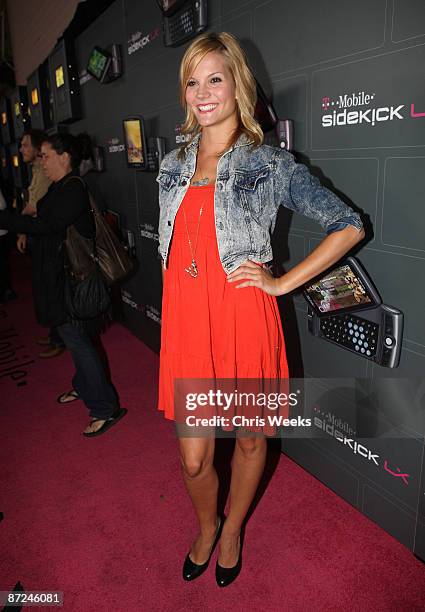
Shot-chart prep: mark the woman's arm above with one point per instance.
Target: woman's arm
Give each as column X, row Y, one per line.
column 330, row 250
column 300, row 191
column 297, row 189
column 71, row 202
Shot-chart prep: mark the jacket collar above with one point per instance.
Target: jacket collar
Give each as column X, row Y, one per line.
column 241, row 141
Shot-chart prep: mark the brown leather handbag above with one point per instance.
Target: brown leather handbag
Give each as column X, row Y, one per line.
column 105, row 249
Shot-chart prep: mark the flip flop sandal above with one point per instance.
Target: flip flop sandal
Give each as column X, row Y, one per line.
column 107, row 424
column 73, row 394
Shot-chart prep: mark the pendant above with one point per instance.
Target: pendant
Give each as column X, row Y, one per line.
column 192, row 269
column 201, row 182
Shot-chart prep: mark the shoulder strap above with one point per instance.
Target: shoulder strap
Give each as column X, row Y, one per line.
column 75, row 177
column 93, row 209
column 93, row 204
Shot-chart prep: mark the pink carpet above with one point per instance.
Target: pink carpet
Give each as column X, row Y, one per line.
column 108, row 521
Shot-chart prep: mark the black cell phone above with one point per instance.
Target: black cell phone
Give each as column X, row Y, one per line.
column 346, row 309
column 346, row 288
column 183, row 20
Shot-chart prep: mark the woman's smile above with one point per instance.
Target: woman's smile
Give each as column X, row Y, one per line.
column 206, row 108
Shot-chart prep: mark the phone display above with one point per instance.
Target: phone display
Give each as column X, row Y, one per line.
column 343, row 289
column 59, row 77
column 135, row 142
column 98, row 64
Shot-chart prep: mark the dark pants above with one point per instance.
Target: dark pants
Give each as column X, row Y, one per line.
column 90, row 380
column 30, row 242
column 55, row 338
column 4, row 267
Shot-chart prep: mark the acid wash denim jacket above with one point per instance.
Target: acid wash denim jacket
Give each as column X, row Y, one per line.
column 251, row 184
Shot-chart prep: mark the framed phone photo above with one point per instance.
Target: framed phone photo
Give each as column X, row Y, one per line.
column 135, row 142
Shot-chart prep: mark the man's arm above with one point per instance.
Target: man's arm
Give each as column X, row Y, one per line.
column 37, row 189
column 29, row 209
column 21, row 243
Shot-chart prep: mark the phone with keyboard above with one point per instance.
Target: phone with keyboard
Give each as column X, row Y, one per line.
column 345, row 308
column 182, row 20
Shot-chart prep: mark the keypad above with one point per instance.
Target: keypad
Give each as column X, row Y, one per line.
column 356, row 334
column 183, row 23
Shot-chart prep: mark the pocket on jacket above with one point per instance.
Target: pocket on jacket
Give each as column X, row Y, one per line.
column 250, row 186
column 167, row 180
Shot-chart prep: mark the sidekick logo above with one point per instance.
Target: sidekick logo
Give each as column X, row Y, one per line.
column 146, row 231
column 138, row 40
column 328, row 423
column 127, row 298
column 349, row 109
column 153, row 313
column 371, row 115
column 350, row 443
column 181, row 138
column 114, row 146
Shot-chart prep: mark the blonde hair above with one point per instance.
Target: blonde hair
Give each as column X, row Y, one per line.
column 246, row 87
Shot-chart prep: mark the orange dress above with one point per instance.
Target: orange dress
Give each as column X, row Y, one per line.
column 211, row 329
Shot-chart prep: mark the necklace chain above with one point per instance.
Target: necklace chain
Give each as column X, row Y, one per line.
column 192, row 270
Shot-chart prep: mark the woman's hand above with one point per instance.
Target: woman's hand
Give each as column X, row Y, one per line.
column 255, row 275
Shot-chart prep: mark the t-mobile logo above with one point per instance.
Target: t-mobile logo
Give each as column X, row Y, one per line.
column 325, row 103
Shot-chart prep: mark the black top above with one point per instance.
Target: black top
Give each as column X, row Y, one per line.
column 91, row 179
column 65, row 203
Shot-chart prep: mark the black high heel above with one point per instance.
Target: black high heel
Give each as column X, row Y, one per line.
column 193, row 570
column 226, row 575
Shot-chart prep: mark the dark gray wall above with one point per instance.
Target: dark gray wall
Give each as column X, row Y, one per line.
column 302, row 52
column 306, row 54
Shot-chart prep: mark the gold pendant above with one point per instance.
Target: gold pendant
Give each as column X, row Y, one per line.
column 192, row 269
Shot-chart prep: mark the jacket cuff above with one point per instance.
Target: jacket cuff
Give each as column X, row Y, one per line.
column 345, row 222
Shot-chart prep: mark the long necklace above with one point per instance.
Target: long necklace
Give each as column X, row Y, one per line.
column 192, row 269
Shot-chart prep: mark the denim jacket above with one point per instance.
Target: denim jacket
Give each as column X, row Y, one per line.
column 251, row 184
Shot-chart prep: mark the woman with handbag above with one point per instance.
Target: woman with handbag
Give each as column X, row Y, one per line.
column 66, row 206
column 219, row 195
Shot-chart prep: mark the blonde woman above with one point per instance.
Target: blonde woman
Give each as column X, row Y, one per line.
column 219, row 195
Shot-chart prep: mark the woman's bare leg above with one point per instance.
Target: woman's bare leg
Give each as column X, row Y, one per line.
column 201, row 481
column 248, row 463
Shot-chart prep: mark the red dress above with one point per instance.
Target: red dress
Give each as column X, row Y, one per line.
column 210, row 329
